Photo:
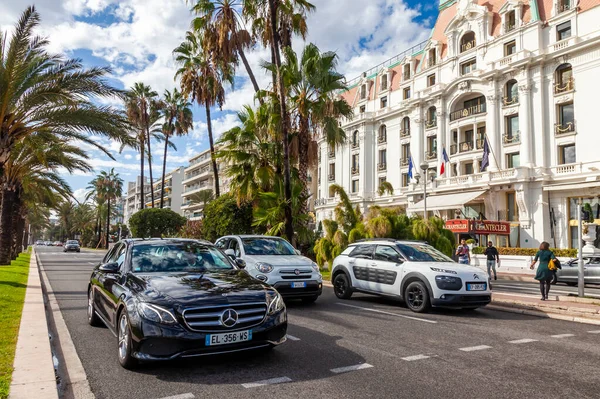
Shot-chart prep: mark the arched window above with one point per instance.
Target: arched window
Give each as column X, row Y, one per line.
column 382, row 137
column 467, row 42
column 431, row 117
column 405, row 126
column 355, row 139
column 511, row 92
column 563, row 78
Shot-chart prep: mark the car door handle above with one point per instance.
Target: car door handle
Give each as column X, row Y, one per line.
column 374, row 264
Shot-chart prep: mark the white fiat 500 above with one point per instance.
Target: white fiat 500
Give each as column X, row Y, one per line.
column 274, row 261
column 415, row 272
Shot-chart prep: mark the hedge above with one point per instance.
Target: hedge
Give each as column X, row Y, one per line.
column 156, row 222
column 561, row 253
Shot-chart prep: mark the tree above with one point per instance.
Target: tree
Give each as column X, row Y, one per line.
column 385, row 187
column 156, row 222
column 201, row 197
column 176, row 111
column 107, row 187
column 224, row 216
column 202, row 81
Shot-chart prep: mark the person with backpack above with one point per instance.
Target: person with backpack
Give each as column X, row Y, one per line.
column 545, row 271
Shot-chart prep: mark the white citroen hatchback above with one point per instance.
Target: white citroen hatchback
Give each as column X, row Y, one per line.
column 415, row 272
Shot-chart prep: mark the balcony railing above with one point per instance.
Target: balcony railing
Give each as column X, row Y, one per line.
column 405, row 132
column 381, row 138
column 512, row 138
column 466, row 146
column 429, row 124
column 332, row 177
column 431, row 62
column 564, row 6
column 479, row 143
column 453, row 149
column 355, row 170
column 355, row 144
column 510, row 100
column 466, row 112
column 467, row 46
column 566, row 128
column 430, row 155
column 382, row 166
column 563, row 87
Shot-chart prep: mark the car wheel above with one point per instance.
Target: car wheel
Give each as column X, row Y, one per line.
column 571, row 283
column 310, row 299
column 417, row 297
column 124, row 347
column 341, row 286
column 93, row 319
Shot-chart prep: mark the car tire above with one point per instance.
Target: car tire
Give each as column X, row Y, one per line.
column 93, row 319
column 571, row 283
column 310, row 299
column 341, row 286
column 416, row 297
column 124, row 351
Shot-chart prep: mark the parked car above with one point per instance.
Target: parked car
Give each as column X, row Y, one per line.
column 415, row 272
column 274, row 261
column 40, row 243
column 569, row 274
column 49, row 243
column 58, row 244
column 171, row 298
column 72, row 246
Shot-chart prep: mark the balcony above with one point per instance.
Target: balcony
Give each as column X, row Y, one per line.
column 405, row 132
column 430, row 124
column 465, row 146
column 431, row 155
column 563, row 129
column 355, row 171
column 510, row 100
column 403, row 162
column 564, row 6
column 466, row 112
column 511, row 138
column 382, row 166
column 453, row 149
column 467, row 46
column 563, row 87
column 381, row 138
column 332, row 177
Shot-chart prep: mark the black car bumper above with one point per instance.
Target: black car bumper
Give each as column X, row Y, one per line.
column 313, row 288
column 153, row 341
column 71, row 249
column 462, row 301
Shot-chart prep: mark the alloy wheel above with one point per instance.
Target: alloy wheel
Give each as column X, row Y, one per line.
column 415, row 297
column 123, row 336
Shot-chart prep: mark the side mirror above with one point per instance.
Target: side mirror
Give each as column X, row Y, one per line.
column 111, row 267
column 298, row 252
column 231, row 253
column 241, row 263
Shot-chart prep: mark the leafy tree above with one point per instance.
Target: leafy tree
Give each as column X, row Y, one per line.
column 201, row 197
column 223, row 216
column 385, row 187
column 192, row 229
column 156, row 222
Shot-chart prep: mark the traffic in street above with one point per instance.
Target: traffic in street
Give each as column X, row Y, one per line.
column 364, row 347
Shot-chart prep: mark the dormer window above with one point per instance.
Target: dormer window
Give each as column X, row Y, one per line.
column 406, row 72
column 431, row 58
column 511, row 21
column 363, row 92
column 384, row 82
column 564, row 5
column 467, row 42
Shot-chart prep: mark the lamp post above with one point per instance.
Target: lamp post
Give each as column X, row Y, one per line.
column 580, row 279
column 424, row 166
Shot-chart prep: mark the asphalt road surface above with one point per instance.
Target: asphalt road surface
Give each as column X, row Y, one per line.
column 366, row 347
column 532, row 287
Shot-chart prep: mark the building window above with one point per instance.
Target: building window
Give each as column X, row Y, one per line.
column 382, row 136
column 405, row 154
column 355, row 163
column 355, row 186
column 513, row 160
column 430, row 80
column 510, row 48
column 467, row 42
column 405, row 180
column 511, row 92
column 512, row 129
column 566, row 119
column 383, row 102
column 511, row 207
column 566, row 154
column 405, row 130
column 431, row 58
column 363, row 92
column 563, row 78
column 468, row 67
column 468, row 168
column 382, row 159
column 431, row 148
column 563, row 31
column 406, row 93
column 511, row 21
column 355, row 140
column 431, row 118
column 406, row 72
column 362, row 109
column 384, row 82
column 564, row 5
column 331, row 171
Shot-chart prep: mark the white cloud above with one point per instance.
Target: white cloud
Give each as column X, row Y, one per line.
column 128, row 156
column 80, row 194
column 219, row 126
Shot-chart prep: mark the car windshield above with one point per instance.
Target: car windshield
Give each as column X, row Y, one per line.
column 417, row 252
column 178, row 257
column 267, row 246
column 72, row 242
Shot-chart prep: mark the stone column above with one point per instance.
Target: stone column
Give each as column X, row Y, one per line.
column 492, row 133
column 525, row 123
column 441, row 138
column 416, row 141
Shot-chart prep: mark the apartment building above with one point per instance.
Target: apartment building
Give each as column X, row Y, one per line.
column 172, row 191
column 133, row 198
column 515, row 80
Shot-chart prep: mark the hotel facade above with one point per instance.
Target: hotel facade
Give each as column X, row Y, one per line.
column 522, row 76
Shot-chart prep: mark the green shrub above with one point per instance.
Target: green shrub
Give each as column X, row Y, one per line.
column 156, row 222
column 223, row 216
column 192, row 229
column 561, row 253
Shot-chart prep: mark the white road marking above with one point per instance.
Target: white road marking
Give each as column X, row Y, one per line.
column 594, row 332
column 182, row 396
column 292, row 338
column 474, row 348
column 415, row 357
column 522, row 341
column 562, row 335
column 388, row 313
column 266, row 382
column 351, row 368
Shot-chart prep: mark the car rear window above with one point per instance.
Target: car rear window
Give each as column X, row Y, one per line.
column 72, row 242
column 178, row 257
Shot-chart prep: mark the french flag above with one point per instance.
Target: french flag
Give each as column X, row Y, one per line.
column 444, row 160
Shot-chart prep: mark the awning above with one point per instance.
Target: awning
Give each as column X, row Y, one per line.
column 573, row 186
column 447, row 201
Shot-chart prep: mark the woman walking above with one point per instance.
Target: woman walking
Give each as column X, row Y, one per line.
column 544, row 275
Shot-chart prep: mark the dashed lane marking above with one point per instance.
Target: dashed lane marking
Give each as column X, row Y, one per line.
column 182, row 396
column 475, row 348
column 415, row 357
column 388, row 313
column 292, row 338
column 522, row 341
column 351, row 368
column 262, row 383
column 594, row 332
column 562, row 335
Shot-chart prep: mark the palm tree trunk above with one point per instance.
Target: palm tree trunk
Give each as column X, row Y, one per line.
column 16, row 229
column 149, row 159
column 249, row 71
column 212, row 151
column 287, row 187
column 162, row 185
column 303, row 144
column 107, row 221
column 20, row 230
column 8, row 198
column 142, row 150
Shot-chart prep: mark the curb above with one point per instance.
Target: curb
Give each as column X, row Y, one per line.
column 74, row 382
column 33, row 375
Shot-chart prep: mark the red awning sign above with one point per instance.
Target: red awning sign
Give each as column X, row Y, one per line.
column 478, row 226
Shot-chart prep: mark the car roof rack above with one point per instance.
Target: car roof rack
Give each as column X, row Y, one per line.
column 377, row 239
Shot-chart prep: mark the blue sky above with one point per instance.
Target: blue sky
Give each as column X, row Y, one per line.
column 136, row 38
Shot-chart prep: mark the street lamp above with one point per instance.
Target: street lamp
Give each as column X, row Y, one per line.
column 580, row 279
column 424, row 166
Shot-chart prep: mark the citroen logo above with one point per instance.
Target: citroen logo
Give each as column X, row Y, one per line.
column 475, row 277
column 229, row 318
column 297, row 272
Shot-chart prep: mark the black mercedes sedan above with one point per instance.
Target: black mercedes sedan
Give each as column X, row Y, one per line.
column 174, row 298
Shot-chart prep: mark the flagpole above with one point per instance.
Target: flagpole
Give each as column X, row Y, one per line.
column 493, row 155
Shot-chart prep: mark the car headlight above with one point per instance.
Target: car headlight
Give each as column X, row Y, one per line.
column 448, row 283
column 264, row 267
column 156, row 313
column 315, row 267
column 276, row 304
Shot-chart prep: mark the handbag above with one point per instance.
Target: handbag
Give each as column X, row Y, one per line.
column 552, row 265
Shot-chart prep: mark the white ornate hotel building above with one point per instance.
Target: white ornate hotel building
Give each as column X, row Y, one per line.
column 523, row 75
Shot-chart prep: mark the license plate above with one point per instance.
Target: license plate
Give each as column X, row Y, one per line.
column 228, row 338
column 299, row 285
column 476, row 287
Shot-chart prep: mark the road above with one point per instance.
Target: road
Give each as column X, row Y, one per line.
column 366, row 347
column 505, row 285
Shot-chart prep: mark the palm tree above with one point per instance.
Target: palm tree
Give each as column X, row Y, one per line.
column 176, row 111
column 107, row 186
column 385, row 187
column 202, row 81
column 201, row 197
column 43, row 92
column 142, row 110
